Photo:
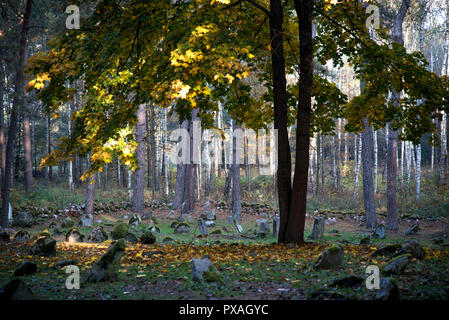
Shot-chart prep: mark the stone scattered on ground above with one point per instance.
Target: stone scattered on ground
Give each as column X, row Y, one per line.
column 67, row 223
column 147, row 215
column 204, row 270
column 182, row 228
column 74, row 236
column 45, row 246
column 135, row 220
column 107, row 267
column 174, row 224
column 318, row 228
column 147, row 238
column 209, row 223
column 22, row 235
column 413, row 229
column 414, row 249
column 98, row 235
column 387, row 251
column 64, row 263
column 365, row 240
column 25, row 268
column 389, row 290
column 168, row 240
column 23, row 220
column 16, row 289
column 87, row 221
column 131, row 237
column 379, row 232
column 331, row 258
column 347, row 282
column 120, row 231
column 171, row 214
column 396, row 265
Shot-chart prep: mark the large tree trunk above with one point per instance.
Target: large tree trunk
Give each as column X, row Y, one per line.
column 17, row 106
column 296, row 219
column 138, row 202
column 280, row 116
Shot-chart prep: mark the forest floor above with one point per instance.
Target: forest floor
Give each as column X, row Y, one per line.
column 252, row 267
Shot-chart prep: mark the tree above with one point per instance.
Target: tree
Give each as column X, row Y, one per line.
column 138, row 201
column 17, row 106
column 392, row 151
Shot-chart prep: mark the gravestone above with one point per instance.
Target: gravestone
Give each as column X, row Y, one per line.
column 276, row 224
column 318, row 228
column 107, row 267
column 202, row 227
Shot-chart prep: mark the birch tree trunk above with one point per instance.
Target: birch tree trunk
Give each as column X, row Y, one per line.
column 376, row 160
column 138, row 202
column 357, row 168
column 236, row 196
column 368, row 187
column 418, row 171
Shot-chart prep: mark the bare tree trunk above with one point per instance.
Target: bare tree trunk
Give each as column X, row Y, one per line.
column 17, row 106
column 138, row 202
column 418, row 171
column 50, row 168
column 376, row 161
column 392, row 214
column 129, row 189
column 90, row 195
column 2, row 124
column 443, row 150
column 236, row 197
column 165, row 154
column 180, row 175
column 368, row 187
column 358, row 153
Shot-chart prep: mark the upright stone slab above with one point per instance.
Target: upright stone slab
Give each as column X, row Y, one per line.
column 413, row 229
column 211, row 216
column 107, row 267
column 204, row 270
column 276, row 224
column 202, row 227
column 44, row 246
column 318, row 228
column 263, row 225
column 379, row 233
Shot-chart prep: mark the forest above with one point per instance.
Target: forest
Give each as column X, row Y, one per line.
column 224, row 149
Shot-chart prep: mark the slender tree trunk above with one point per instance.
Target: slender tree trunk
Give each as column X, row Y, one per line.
column 17, row 106
column 418, row 172
column 138, row 201
column 357, row 168
column 2, row 124
column 280, row 117
column 236, row 197
column 50, row 168
column 90, row 195
column 376, row 161
column 180, row 175
column 392, row 214
column 368, row 187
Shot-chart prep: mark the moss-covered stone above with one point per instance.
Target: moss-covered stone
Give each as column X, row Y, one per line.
column 107, row 267
column 67, row 223
column 212, row 275
column 396, row 265
column 120, row 231
column 147, row 238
